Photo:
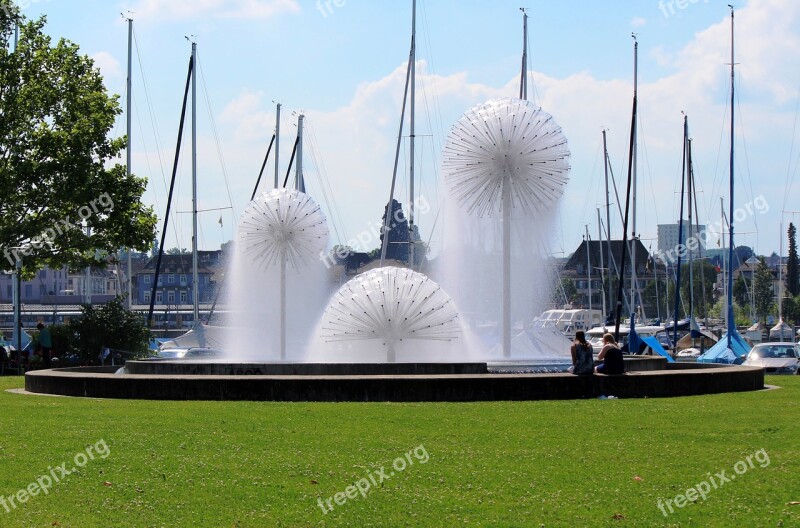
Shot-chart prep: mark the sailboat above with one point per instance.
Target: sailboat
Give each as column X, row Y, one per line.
column 732, row 348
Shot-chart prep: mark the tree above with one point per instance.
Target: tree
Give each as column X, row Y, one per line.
column 566, row 292
column 762, row 290
column 109, row 325
column 792, row 264
column 177, row 251
column 705, row 275
column 56, row 158
column 791, row 310
column 741, row 294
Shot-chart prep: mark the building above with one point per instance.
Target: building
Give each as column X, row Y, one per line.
column 580, row 266
column 670, row 246
column 62, row 286
column 175, row 279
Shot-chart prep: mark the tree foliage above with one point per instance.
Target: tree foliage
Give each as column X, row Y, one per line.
column 793, row 263
column 109, row 325
column 741, row 292
column 704, row 275
column 56, row 158
column 762, row 290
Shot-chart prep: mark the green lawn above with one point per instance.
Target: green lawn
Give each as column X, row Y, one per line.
column 569, row 463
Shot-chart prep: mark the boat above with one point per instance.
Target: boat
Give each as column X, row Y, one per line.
column 568, row 320
column 595, row 337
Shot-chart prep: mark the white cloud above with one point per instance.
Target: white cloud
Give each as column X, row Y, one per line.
column 638, row 22
column 109, row 66
column 237, row 9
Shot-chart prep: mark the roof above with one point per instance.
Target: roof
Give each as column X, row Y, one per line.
column 206, row 262
column 578, row 258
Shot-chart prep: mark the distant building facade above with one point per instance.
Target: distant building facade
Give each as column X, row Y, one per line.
column 175, row 279
column 670, row 244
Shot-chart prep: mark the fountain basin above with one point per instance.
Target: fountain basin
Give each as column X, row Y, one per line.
column 672, row 380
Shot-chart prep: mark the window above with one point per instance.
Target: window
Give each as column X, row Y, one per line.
column 183, row 297
column 171, row 279
column 28, row 291
column 147, row 279
column 183, row 280
column 160, row 279
column 147, row 296
column 42, row 274
column 171, row 297
column 159, row 297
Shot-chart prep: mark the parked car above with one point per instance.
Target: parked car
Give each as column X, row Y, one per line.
column 776, row 358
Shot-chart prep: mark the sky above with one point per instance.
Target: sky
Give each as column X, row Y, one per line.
column 342, row 63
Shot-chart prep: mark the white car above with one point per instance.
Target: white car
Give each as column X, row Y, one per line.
column 775, row 358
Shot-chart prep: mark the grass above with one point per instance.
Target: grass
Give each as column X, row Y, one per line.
column 556, row 463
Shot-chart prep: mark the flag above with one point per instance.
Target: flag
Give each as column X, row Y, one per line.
column 220, row 221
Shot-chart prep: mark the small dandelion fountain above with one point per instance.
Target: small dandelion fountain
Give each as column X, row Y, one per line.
column 391, row 304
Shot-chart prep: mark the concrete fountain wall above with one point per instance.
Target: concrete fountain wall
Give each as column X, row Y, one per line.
column 430, row 382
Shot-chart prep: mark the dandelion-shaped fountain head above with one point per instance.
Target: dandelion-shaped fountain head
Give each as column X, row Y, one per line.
column 506, row 140
column 390, row 304
column 282, row 224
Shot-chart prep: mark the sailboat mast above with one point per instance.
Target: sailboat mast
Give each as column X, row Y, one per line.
column 602, row 263
column 780, row 281
column 684, row 162
column 523, row 81
column 129, row 97
column 634, row 285
column 731, row 320
column 195, row 276
column 631, row 164
column 589, row 271
column 277, row 144
column 692, row 232
column 608, row 208
column 412, row 132
column 301, row 183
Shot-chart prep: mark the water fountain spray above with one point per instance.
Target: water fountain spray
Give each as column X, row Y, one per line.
column 391, row 304
column 504, row 156
column 280, row 227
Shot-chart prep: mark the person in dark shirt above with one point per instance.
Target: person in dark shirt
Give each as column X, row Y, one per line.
column 610, row 357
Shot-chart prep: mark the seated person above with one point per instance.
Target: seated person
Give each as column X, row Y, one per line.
column 610, row 357
column 582, row 356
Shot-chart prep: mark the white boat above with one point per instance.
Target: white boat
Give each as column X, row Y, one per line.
column 595, row 335
column 568, row 321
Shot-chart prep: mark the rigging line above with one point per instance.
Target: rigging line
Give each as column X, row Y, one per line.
column 143, row 141
column 746, row 154
column 216, row 139
column 325, row 192
column 325, row 181
column 714, row 189
column 791, row 152
column 150, row 108
column 649, row 173
column 176, row 221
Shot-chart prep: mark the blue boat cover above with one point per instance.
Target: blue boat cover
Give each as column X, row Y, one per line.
column 653, row 343
column 720, row 353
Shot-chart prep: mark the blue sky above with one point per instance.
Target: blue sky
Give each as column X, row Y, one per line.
column 344, row 67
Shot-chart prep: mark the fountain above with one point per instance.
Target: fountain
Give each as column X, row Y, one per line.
column 505, row 161
column 390, row 305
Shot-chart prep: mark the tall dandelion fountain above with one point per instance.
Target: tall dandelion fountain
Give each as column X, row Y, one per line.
column 507, row 159
column 280, row 228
